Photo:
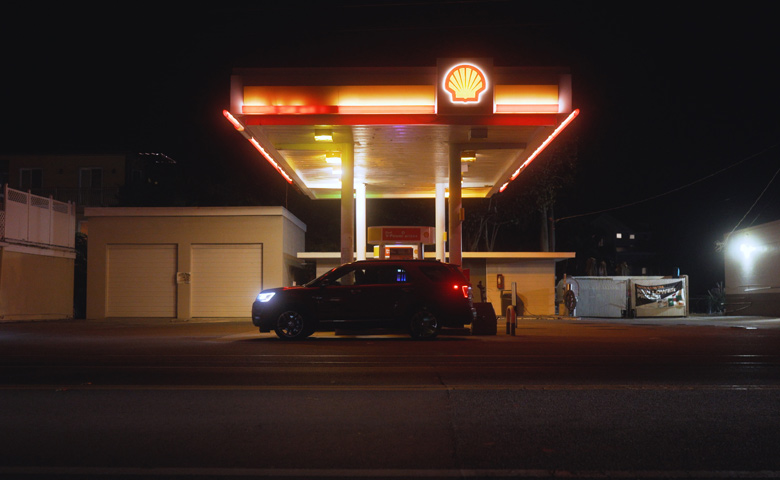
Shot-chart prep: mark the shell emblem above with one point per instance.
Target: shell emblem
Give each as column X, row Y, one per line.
column 465, row 83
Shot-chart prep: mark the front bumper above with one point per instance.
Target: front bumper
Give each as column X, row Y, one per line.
column 260, row 317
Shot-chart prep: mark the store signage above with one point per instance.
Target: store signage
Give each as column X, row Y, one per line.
column 401, row 234
column 405, row 234
column 465, row 83
column 464, row 86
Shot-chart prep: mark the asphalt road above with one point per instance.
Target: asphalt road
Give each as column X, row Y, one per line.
column 587, row 398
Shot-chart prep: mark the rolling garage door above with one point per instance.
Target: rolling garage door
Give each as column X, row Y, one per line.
column 226, row 279
column 141, row 281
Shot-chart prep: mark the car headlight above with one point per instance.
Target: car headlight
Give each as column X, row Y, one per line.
column 265, row 296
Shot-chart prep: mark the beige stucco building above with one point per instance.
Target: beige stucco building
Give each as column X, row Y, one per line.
column 185, row 263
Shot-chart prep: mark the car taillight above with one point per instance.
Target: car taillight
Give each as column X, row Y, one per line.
column 462, row 288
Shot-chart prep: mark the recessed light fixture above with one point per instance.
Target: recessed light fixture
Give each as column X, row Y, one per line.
column 468, row 156
column 323, row 135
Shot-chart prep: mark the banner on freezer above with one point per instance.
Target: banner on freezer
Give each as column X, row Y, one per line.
column 669, row 295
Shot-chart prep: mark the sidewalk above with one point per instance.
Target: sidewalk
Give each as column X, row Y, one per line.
column 739, row 321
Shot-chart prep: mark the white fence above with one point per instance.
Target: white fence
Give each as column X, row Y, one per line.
column 30, row 219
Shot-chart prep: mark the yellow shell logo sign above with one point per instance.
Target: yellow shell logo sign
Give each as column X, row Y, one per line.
column 465, row 83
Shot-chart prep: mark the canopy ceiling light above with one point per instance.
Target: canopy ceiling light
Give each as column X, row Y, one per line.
column 468, row 156
column 322, row 135
column 333, row 158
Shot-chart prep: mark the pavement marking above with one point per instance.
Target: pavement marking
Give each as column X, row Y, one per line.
column 384, row 473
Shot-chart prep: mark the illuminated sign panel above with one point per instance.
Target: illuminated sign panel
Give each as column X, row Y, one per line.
column 464, row 87
column 400, row 235
column 465, row 83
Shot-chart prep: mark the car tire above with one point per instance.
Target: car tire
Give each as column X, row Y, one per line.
column 424, row 324
column 292, row 325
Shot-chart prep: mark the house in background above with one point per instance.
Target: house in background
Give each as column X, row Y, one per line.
column 610, row 247
column 89, row 180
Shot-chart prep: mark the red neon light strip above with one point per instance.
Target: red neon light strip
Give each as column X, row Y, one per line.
column 257, row 145
column 544, row 145
column 233, row 121
column 270, row 159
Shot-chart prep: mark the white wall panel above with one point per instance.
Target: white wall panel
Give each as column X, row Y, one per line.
column 226, row 279
column 141, row 281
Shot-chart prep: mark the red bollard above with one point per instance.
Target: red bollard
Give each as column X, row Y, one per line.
column 511, row 320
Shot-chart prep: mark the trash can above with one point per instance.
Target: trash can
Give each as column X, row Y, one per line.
column 485, row 323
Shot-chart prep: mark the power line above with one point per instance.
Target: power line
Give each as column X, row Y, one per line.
column 674, row 190
column 754, row 203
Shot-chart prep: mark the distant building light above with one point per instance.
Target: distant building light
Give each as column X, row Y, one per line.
column 619, row 235
column 632, row 236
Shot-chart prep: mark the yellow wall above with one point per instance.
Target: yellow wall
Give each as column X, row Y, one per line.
column 535, row 280
column 279, row 235
column 35, row 287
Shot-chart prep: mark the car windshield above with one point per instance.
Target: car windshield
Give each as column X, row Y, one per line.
column 319, row 279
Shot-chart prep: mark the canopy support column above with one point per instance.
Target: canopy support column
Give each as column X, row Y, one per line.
column 455, row 233
column 441, row 228
column 360, row 221
column 347, row 206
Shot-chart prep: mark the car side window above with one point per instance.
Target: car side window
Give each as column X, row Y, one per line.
column 347, row 278
column 372, row 275
column 391, row 274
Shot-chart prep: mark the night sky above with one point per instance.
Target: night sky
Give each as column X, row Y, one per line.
column 678, row 103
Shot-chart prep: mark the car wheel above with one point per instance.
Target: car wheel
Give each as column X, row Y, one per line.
column 292, row 325
column 424, row 324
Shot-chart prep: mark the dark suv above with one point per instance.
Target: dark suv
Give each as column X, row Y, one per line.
column 419, row 296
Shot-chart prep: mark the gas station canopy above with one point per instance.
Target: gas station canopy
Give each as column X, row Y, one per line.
column 401, row 131
column 464, row 128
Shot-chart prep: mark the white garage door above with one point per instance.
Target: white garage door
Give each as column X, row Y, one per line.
column 141, row 281
column 226, row 279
